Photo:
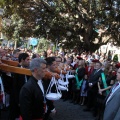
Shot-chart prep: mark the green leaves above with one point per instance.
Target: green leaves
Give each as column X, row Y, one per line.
column 31, row 17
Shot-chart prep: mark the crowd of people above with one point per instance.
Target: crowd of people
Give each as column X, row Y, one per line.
column 93, row 85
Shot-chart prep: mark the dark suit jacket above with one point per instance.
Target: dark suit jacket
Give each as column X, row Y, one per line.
column 7, row 82
column 93, row 78
column 31, row 100
column 17, row 83
column 112, row 108
column 81, row 73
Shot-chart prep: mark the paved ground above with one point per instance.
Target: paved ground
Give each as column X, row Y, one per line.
column 65, row 111
column 69, row 111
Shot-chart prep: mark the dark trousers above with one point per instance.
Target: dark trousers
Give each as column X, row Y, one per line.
column 92, row 98
column 14, row 112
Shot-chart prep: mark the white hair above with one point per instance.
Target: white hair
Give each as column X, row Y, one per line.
column 36, row 63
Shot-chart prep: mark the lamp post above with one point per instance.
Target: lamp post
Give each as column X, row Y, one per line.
column 57, row 41
column 1, row 14
column 47, row 31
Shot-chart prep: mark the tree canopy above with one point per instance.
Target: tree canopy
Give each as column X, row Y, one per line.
column 82, row 24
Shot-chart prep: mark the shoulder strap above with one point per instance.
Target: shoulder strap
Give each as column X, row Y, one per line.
column 104, row 82
column 78, row 82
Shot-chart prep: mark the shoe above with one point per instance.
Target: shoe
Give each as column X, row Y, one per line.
column 82, row 104
column 72, row 101
column 94, row 114
column 97, row 118
column 50, row 118
column 6, row 108
column 62, row 97
column 64, row 100
column 79, row 103
column 75, row 102
column 86, row 110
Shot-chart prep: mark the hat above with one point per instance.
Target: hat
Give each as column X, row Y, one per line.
column 117, row 65
column 79, row 58
column 95, row 60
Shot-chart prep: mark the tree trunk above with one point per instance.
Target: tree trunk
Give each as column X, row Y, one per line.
column 8, row 44
column 15, row 46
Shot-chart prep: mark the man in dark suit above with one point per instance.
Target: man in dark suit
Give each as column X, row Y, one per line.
column 112, row 103
column 17, row 83
column 32, row 95
column 51, row 66
column 92, row 86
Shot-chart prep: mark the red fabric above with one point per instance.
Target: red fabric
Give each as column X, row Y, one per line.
column 45, row 107
column 117, row 65
column 75, row 66
column 20, row 118
column 37, row 119
column 79, row 58
column 87, row 71
column 95, row 60
column 113, row 73
column 1, row 97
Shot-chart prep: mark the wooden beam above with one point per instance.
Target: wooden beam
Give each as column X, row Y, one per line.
column 11, row 66
column 13, row 69
column 10, row 62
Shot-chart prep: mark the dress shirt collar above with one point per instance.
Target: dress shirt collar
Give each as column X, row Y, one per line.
column 41, row 85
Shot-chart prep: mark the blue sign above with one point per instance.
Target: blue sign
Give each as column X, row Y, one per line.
column 33, row 41
column 97, row 30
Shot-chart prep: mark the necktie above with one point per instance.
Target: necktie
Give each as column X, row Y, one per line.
column 95, row 72
column 115, row 86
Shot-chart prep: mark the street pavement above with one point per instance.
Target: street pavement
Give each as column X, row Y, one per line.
column 65, row 111
column 69, row 111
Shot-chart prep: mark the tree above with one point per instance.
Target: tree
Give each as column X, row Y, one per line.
column 90, row 23
column 42, row 45
column 12, row 29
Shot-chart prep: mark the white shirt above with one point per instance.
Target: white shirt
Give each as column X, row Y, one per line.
column 25, row 75
column 73, row 64
column 41, row 85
